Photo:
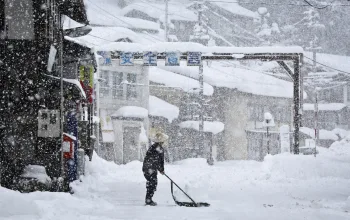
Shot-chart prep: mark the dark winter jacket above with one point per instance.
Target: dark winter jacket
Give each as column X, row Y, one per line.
column 154, row 159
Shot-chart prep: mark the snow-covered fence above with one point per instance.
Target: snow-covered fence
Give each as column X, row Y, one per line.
column 257, row 144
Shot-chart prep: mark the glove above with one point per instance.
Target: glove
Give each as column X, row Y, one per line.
column 162, row 172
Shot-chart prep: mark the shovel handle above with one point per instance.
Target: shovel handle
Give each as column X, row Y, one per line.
column 180, row 188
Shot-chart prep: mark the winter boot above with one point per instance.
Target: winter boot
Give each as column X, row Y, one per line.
column 150, row 202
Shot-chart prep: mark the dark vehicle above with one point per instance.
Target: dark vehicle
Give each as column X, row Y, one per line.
column 31, row 42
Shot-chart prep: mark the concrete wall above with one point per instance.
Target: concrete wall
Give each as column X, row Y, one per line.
column 236, row 118
column 235, row 141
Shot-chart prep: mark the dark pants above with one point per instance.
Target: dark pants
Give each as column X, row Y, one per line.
column 151, row 184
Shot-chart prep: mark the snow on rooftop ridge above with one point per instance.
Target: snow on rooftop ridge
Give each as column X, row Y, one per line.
column 36, row 172
column 108, row 14
column 324, row 134
column 80, row 42
column 233, row 7
column 72, row 81
column 196, row 47
column 161, row 108
column 214, row 127
column 252, row 50
column 324, row 106
column 70, row 136
column 156, row 10
column 171, row 79
column 131, row 112
column 101, row 38
column 323, row 74
column 69, row 23
column 243, row 80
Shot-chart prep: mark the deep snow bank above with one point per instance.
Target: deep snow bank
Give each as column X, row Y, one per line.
column 305, row 184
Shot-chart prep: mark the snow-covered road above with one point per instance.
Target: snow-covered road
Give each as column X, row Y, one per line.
column 281, row 187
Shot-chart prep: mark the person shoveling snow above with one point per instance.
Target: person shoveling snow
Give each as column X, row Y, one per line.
column 153, row 162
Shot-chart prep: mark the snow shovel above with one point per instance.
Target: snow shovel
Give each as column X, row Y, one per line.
column 187, row 204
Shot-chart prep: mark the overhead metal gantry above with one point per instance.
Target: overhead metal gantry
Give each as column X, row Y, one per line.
column 279, row 54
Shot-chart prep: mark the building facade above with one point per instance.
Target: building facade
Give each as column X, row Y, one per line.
column 122, row 86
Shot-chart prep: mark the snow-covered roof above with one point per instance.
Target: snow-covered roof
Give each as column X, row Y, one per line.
column 172, row 79
column 159, row 107
column 77, row 83
column 72, row 81
column 323, row 134
column 243, row 80
column 105, row 35
column 107, row 13
column 233, row 7
column 323, row 74
column 131, row 112
column 70, row 23
column 70, row 136
column 324, row 106
column 214, row 127
column 177, row 11
column 196, row 47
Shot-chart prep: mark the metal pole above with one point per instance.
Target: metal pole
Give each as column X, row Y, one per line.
column 301, row 96
column 166, row 19
column 201, row 109
column 200, row 14
column 61, row 95
column 314, row 60
column 316, row 100
column 296, row 63
column 316, row 120
column 268, row 140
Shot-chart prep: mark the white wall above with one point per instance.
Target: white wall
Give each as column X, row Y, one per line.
column 237, row 121
column 111, row 105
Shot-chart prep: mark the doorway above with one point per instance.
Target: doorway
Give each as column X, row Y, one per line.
column 131, row 144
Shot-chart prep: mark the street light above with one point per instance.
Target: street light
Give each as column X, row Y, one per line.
column 267, row 123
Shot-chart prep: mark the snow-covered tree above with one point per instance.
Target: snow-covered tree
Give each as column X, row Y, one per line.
column 200, row 30
column 267, row 30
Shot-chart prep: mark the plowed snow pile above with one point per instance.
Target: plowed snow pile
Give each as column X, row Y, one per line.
column 282, row 187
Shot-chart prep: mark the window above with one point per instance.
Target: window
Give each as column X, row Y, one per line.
column 117, row 88
column 131, row 91
column 16, row 19
column 104, row 89
column 251, row 113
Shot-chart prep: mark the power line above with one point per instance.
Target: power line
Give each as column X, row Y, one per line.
column 317, row 7
column 99, row 38
column 327, row 65
column 280, row 4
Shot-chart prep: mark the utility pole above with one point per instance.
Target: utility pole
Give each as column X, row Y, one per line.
column 200, row 14
column 166, row 20
column 316, row 120
column 201, row 143
column 314, row 50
